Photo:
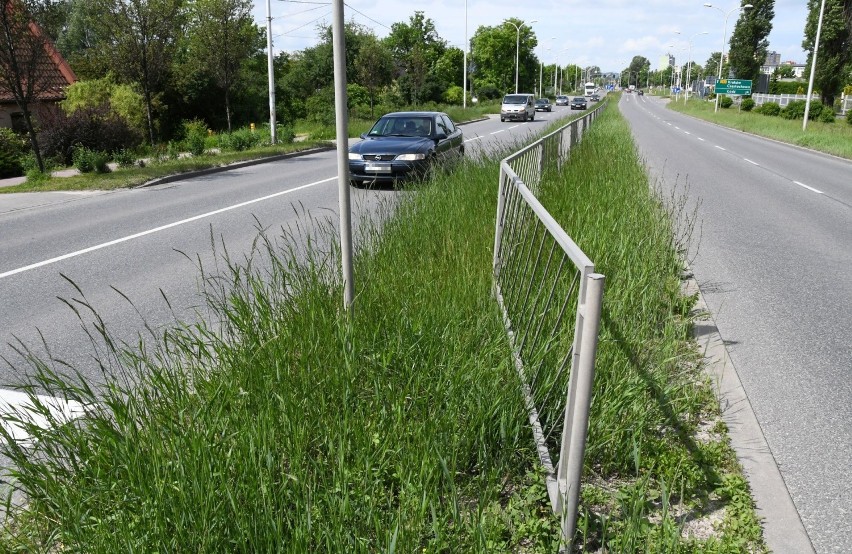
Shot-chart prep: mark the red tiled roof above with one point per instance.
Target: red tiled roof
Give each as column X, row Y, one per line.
column 54, row 72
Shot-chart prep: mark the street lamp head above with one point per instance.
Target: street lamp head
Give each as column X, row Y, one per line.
column 708, row 5
column 747, row 6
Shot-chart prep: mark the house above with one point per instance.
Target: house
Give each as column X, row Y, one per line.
column 54, row 77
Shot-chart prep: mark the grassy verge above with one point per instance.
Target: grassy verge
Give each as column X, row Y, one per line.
column 831, row 138
column 291, row 426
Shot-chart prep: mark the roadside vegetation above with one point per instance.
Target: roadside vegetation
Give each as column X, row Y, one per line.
column 282, row 423
column 824, row 133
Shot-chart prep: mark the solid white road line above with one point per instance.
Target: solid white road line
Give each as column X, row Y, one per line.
column 807, row 187
column 158, row 229
column 19, row 407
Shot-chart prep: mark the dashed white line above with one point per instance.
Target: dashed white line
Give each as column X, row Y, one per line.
column 474, row 138
column 751, row 162
column 676, row 127
column 699, row 138
column 158, row 229
column 807, row 187
column 687, row 132
column 720, row 148
column 513, row 126
column 500, row 131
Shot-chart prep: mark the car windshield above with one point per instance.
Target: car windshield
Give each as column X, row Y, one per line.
column 515, row 99
column 579, row 99
column 541, row 101
column 395, row 126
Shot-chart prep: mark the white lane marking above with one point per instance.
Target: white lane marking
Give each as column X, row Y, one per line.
column 669, row 124
column 807, row 187
column 474, row 138
column 751, row 162
column 687, row 132
column 513, row 126
column 676, row 127
column 699, row 138
column 18, row 407
column 720, row 148
column 158, row 229
column 500, row 131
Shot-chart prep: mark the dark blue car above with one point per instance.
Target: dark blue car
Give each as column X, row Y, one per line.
column 404, row 145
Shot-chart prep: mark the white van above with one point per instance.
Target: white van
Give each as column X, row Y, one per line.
column 520, row 107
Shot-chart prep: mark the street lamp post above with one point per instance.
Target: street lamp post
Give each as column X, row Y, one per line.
column 813, row 67
column 464, row 57
column 689, row 67
column 724, row 37
column 518, row 47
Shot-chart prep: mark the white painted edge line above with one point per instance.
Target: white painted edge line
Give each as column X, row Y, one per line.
column 807, row 187
column 18, row 405
column 751, row 162
column 720, row 148
column 160, row 228
column 500, row 131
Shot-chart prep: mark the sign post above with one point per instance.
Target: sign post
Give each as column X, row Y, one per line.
column 736, row 87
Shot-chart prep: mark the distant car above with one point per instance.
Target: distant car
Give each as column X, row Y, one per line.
column 562, row 100
column 640, row 93
column 594, row 98
column 404, row 145
column 578, row 103
column 542, row 105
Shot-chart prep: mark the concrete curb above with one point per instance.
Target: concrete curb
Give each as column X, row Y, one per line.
column 235, row 165
column 783, row 529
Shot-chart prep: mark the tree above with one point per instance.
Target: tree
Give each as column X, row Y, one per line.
column 711, row 66
column 140, row 37
column 222, row 36
column 493, row 52
column 375, row 68
column 783, row 72
column 749, row 42
column 27, row 60
column 416, row 47
column 834, row 59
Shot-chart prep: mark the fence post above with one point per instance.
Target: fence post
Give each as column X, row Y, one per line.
column 578, row 403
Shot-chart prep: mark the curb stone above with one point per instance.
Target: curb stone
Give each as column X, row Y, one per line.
column 783, row 529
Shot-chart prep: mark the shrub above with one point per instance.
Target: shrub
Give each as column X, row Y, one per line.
column 12, row 148
column 195, row 133
column 87, row 160
column 93, row 128
column 827, row 115
column 488, row 92
column 747, row 104
column 453, row 95
column 124, row 158
column 769, row 108
column 241, row 139
column 849, row 117
column 726, row 102
column 794, row 110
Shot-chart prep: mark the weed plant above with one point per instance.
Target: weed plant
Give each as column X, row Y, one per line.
column 284, row 423
column 831, row 138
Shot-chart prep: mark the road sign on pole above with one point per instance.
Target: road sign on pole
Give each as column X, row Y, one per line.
column 739, row 87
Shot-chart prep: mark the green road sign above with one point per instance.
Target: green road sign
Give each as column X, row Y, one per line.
column 733, row 86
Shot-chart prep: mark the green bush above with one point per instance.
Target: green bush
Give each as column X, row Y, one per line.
column 241, row 139
column 849, row 117
column 12, row 148
column 195, row 133
column 785, row 87
column 747, row 104
column 769, row 108
column 88, row 161
column 726, row 102
column 794, row 110
column 124, row 158
column 827, row 115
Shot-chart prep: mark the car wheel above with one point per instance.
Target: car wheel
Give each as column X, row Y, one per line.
column 532, row 118
column 525, row 116
column 502, row 119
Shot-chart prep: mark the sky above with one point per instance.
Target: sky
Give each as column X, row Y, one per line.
column 604, row 33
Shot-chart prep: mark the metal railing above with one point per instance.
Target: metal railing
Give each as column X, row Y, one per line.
column 780, row 99
column 541, row 279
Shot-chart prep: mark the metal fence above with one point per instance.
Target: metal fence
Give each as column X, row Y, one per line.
column 780, row 99
column 542, row 279
column 845, row 104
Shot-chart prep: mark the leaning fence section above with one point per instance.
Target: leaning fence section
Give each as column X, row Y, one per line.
column 550, row 298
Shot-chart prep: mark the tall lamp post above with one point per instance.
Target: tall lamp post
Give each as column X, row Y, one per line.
column 813, row 67
column 518, row 46
column 689, row 67
column 464, row 58
column 724, row 39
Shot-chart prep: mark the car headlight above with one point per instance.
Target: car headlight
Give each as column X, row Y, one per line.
column 354, row 156
column 411, row 157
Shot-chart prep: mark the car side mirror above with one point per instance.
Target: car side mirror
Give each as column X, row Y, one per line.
column 363, row 135
column 440, row 135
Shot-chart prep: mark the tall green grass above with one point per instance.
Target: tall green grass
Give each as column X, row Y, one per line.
column 286, row 424
column 831, row 138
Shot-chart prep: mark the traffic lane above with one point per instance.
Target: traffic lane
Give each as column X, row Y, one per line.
column 772, row 265
column 494, row 136
column 815, row 171
column 44, row 232
column 151, row 266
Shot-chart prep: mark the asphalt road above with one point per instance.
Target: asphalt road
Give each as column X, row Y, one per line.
column 146, row 242
column 771, row 250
